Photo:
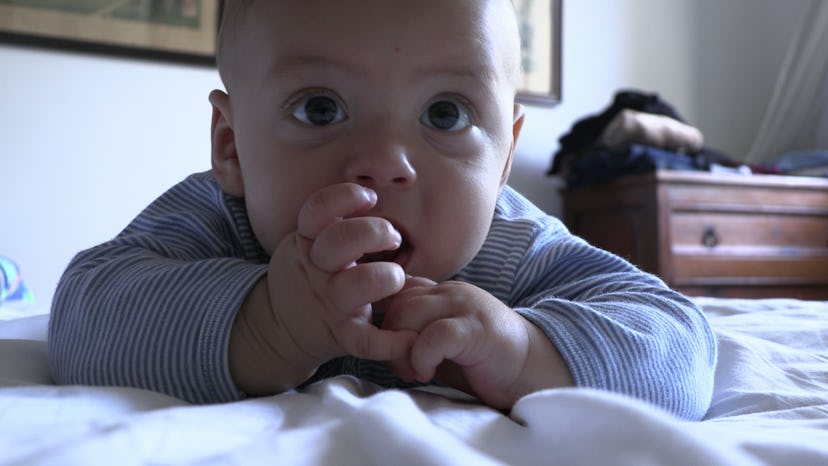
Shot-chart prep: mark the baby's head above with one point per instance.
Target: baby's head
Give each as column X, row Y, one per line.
column 501, row 13
column 411, row 98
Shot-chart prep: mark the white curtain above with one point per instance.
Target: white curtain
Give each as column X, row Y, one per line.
column 797, row 114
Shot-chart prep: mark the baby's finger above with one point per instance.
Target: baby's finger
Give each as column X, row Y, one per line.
column 365, row 284
column 416, row 306
column 401, row 367
column 344, row 242
column 331, row 204
column 444, row 339
column 364, row 341
column 381, row 307
column 415, row 282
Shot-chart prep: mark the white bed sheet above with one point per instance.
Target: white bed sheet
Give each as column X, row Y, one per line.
column 770, row 407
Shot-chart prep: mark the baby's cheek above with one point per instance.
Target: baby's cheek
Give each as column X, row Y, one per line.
column 473, row 238
column 268, row 227
column 451, row 259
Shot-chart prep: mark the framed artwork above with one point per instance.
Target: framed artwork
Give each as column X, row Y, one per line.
column 540, row 24
column 176, row 30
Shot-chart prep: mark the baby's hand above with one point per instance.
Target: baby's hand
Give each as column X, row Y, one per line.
column 471, row 340
column 320, row 294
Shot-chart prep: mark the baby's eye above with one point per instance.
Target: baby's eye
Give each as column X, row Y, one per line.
column 318, row 110
column 446, row 115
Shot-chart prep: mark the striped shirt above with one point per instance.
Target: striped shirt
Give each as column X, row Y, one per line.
column 153, row 307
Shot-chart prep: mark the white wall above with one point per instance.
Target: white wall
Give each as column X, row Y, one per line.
column 715, row 61
column 87, row 141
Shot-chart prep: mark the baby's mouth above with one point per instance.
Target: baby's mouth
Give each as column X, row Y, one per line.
column 385, row 256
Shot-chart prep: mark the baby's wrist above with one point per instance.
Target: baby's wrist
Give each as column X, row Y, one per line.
column 264, row 358
column 544, row 367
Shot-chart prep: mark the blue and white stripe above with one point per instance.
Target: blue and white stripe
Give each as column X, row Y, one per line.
column 153, row 307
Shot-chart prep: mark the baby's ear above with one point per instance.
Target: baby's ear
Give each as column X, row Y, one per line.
column 517, row 125
column 225, row 159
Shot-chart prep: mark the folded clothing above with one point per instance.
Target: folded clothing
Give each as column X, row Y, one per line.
column 638, row 132
column 630, row 127
column 586, row 133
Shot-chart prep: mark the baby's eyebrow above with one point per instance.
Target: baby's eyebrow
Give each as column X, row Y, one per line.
column 459, row 63
column 469, row 75
column 289, row 66
column 460, row 70
column 480, row 66
column 464, row 68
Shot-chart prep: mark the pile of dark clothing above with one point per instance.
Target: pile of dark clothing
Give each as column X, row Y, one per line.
column 637, row 133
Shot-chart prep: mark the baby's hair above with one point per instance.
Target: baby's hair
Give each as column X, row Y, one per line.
column 231, row 11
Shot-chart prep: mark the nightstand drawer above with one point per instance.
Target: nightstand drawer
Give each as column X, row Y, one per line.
column 748, row 248
column 718, row 232
column 749, row 269
column 710, row 234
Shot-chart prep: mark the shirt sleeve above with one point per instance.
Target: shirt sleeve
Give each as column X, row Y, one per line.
column 153, row 308
column 617, row 327
column 623, row 330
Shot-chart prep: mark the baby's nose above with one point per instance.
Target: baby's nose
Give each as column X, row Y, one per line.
column 378, row 167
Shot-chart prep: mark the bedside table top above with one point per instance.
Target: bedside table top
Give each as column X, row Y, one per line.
column 699, row 177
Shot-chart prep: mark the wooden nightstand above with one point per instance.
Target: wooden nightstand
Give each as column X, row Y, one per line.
column 712, row 234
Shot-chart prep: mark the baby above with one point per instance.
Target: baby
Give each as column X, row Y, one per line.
column 357, row 220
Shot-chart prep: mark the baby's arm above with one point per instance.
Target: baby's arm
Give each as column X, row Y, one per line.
column 153, row 307
column 622, row 330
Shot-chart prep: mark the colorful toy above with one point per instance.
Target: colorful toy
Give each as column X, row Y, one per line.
column 12, row 289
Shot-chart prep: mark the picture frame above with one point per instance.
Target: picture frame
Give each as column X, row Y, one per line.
column 181, row 31
column 148, row 32
column 541, row 26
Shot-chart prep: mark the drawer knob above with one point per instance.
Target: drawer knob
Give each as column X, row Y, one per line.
column 710, row 237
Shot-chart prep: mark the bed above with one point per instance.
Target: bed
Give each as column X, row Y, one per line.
column 770, row 406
